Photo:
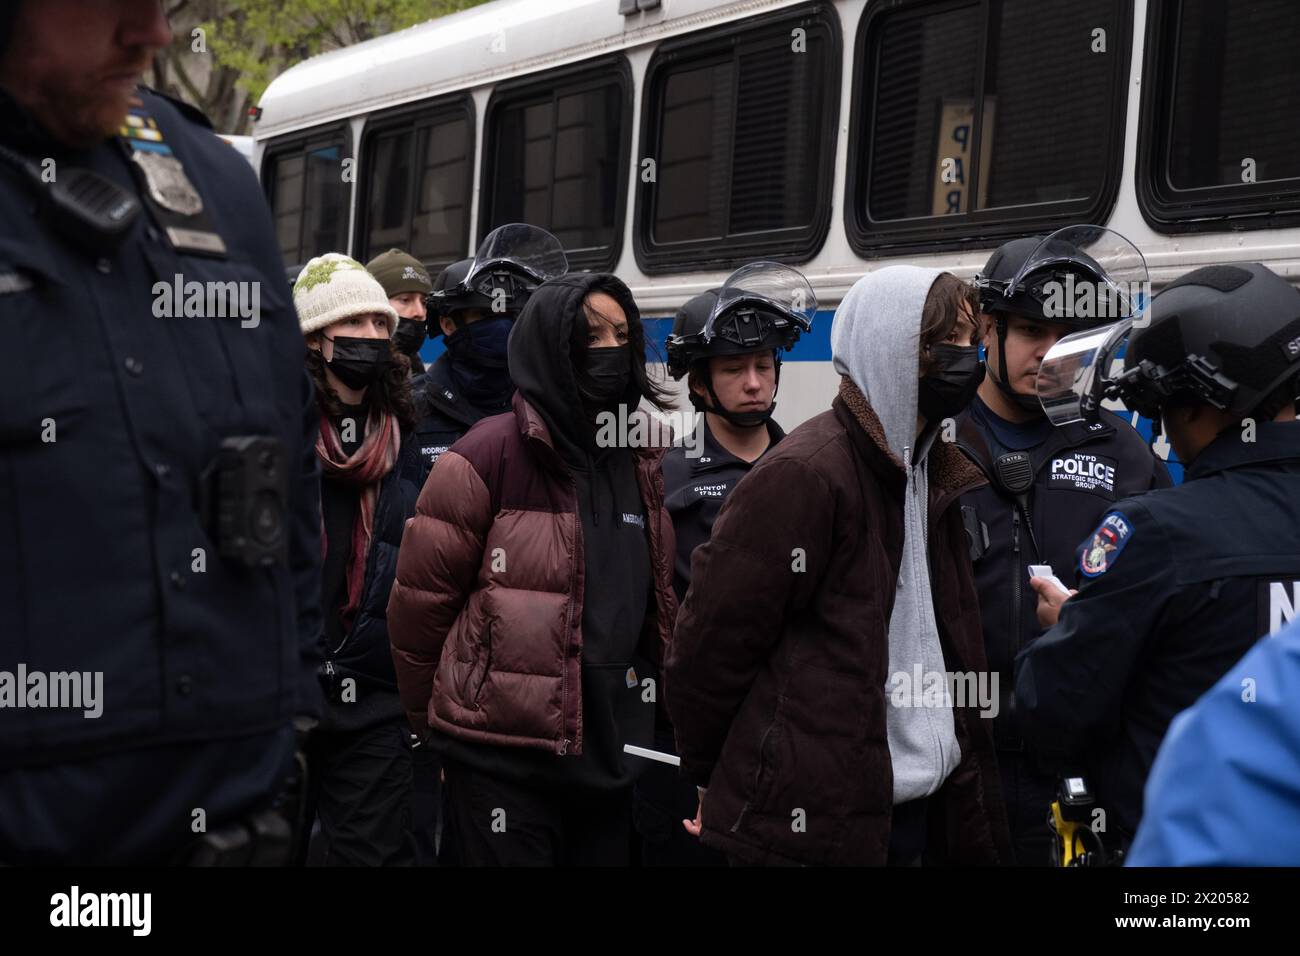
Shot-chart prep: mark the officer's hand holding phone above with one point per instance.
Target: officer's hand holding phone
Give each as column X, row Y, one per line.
column 1050, row 600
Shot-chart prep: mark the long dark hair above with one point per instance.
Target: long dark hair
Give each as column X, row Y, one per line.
column 653, row 392
column 391, row 392
column 943, row 310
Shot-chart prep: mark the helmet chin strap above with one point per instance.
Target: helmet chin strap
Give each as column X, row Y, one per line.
column 739, row 419
column 1027, row 403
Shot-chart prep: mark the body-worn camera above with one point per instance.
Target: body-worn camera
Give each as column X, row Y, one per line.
column 244, row 500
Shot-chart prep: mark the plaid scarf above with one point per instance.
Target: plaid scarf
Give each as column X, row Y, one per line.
column 365, row 467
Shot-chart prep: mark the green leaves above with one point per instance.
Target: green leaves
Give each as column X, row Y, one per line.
column 250, row 42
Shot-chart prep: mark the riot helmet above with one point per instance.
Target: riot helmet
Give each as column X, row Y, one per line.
column 762, row 307
column 1080, row 277
column 1226, row 336
column 511, row 262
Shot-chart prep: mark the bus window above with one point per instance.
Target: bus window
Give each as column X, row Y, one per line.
column 740, row 123
column 1219, row 134
column 556, row 157
column 286, row 192
column 924, row 59
column 416, row 170
column 984, row 120
column 308, row 195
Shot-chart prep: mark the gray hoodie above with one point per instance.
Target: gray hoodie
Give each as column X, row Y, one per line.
column 875, row 340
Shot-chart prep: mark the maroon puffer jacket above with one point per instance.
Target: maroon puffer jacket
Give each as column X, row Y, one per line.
column 485, row 617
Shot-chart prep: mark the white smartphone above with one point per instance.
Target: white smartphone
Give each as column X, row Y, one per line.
column 1045, row 571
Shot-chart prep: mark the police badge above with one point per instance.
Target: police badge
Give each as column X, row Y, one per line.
column 168, row 185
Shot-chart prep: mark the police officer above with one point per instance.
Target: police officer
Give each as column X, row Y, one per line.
column 732, row 374
column 1177, row 584
column 1047, row 486
column 406, row 283
column 159, row 516
column 732, row 378
column 473, row 307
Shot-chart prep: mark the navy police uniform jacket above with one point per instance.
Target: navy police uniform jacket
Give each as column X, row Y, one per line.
column 1080, row 471
column 1176, row 586
column 694, row 489
column 444, row 413
column 110, row 412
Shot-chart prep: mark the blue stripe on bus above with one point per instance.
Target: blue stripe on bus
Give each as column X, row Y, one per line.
column 813, row 347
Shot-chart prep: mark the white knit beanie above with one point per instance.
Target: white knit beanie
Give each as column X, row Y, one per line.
column 333, row 287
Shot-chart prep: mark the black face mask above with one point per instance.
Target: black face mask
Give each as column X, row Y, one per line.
column 359, row 362
column 606, row 376
column 409, row 336
column 953, row 382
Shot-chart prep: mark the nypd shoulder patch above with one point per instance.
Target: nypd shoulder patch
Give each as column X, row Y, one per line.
column 1104, row 545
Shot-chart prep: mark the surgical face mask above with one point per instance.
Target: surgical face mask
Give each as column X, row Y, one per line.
column 409, row 336
column 608, row 372
column 952, row 383
column 359, row 362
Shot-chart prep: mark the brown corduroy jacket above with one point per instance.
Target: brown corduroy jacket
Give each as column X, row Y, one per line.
column 776, row 679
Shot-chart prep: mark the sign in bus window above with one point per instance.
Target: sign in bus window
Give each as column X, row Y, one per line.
column 952, row 155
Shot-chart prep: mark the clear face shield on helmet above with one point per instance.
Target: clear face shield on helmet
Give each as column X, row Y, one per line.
column 1085, row 274
column 757, row 299
column 1078, row 275
column 514, row 259
column 1088, row 274
column 1078, row 373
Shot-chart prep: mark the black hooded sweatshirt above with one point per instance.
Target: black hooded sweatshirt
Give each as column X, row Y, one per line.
column 618, row 575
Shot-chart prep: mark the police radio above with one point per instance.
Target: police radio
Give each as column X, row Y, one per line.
column 1013, row 474
column 90, row 211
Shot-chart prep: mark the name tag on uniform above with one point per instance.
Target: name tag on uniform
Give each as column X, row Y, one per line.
column 171, row 195
column 710, row 491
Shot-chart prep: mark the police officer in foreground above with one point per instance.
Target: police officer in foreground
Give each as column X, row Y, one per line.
column 1177, row 584
column 159, row 517
column 727, row 343
column 1048, row 486
column 406, row 283
column 473, row 306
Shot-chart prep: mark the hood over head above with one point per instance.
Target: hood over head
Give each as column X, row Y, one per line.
column 876, row 342
column 542, row 362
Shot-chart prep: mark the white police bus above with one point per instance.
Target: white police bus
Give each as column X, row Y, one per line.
column 670, row 141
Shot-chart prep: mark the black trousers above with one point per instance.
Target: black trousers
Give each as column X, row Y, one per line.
column 907, row 833
column 662, row 799
column 1028, row 794
column 426, row 797
column 495, row 822
column 360, row 793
